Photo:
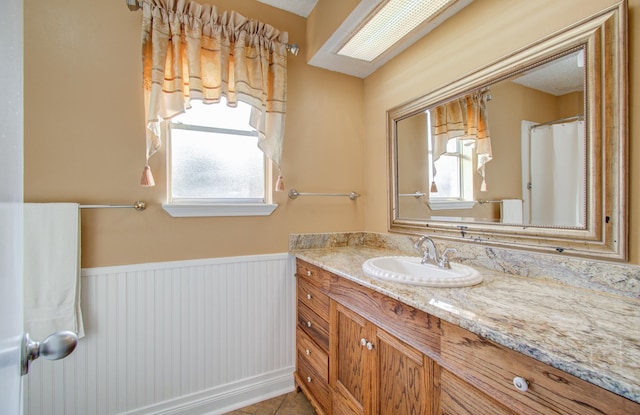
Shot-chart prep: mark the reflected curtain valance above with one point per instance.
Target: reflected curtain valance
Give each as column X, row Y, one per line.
column 465, row 118
column 190, row 51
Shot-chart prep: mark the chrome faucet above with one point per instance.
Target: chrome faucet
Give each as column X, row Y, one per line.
column 430, row 254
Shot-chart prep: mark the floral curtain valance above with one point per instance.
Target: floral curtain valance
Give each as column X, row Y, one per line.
column 464, row 118
column 190, row 51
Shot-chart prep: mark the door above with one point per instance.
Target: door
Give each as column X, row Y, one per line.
column 11, row 171
column 350, row 361
column 403, row 378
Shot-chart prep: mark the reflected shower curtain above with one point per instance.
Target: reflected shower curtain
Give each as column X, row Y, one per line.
column 558, row 174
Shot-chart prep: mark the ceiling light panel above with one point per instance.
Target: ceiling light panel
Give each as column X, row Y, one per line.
column 391, row 23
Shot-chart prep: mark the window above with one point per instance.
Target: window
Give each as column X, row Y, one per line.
column 214, row 165
column 454, row 176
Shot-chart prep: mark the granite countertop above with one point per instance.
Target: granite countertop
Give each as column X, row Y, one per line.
column 590, row 334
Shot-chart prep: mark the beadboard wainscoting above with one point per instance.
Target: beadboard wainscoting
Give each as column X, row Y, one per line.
column 187, row 337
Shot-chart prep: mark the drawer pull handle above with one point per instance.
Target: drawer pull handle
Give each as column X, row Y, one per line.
column 308, row 379
column 308, row 324
column 308, row 296
column 521, row 384
column 308, row 352
column 308, row 273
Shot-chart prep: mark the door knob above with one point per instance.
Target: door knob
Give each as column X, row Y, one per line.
column 57, row 346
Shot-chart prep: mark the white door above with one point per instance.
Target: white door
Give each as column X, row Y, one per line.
column 11, row 169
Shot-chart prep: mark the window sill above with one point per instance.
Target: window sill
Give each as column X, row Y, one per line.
column 227, row 209
column 451, row 204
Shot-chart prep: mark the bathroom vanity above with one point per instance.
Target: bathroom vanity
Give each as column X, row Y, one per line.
column 510, row 345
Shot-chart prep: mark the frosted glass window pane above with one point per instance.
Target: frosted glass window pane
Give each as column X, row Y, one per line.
column 448, row 168
column 217, row 166
column 218, row 115
column 448, row 177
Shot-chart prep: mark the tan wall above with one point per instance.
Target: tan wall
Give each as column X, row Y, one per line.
column 84, row 139
column 323, row 21
column 413, row 173
column 480, row 34
column 84, row 128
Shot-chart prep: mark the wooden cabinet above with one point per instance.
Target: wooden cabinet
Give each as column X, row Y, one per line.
column 487, row 371
column 402, row 378
column 312, row 340
column 350, row 361
column 361, row 352
column 372, row 370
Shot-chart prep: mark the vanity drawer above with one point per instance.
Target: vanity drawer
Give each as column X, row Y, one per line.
column 316, row 327
column 492, row 368
column 314, row 275
column 460, row 398
column 313, row 298
column 308, row 350
column 318, row 387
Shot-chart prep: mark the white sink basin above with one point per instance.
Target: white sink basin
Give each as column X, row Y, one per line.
column 409, row 270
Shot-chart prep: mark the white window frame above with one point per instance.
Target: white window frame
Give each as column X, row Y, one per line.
column 464, row 152
column 206, row 207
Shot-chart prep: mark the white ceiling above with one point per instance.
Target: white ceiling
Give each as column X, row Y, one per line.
column 558, row 77
column 299, row 7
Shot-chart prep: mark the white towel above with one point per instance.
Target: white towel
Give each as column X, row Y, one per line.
column 52, row 269
column 511, row 211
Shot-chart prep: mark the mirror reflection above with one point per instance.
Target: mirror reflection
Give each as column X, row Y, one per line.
column 514, row 152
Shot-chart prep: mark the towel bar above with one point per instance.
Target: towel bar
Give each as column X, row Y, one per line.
column 418, row 194
column 293, row 193
column 138, row 205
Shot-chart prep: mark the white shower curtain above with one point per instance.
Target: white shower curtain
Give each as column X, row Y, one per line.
column 558, row 174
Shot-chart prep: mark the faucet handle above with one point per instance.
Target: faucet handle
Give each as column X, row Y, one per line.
column 444, row 258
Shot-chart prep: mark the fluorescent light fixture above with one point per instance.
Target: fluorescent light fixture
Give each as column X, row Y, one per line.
column 391, row 23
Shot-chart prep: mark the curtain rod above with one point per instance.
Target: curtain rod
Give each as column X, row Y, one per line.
column 293, row 48
column 137, row 205
column 561, row 120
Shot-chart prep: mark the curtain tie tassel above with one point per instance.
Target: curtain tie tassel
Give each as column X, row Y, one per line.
column 483, row 186
column 280, row 184
column 434, row 188
column 147, row 177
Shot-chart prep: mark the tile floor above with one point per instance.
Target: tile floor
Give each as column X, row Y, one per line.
column 294, row 403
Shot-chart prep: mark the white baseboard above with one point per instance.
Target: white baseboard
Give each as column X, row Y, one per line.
column 221, row 400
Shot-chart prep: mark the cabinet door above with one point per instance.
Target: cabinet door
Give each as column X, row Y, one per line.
column 350, row 364
column 402, row 378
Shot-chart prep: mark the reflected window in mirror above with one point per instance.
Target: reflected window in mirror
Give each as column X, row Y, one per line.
column 452, row 186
